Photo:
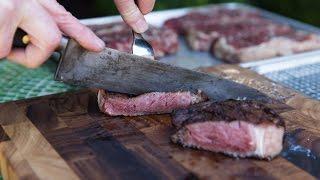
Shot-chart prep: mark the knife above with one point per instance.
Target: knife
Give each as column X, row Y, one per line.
column 131, row 74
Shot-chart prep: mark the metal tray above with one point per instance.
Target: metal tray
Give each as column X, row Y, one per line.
column 301, row 72
column 192, row 59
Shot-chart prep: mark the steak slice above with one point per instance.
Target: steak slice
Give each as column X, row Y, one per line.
column 119, row 36
column 236, row 128
column 149, row 103
column 258, row 46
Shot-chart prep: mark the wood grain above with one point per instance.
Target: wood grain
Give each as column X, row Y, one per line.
column 66, row 137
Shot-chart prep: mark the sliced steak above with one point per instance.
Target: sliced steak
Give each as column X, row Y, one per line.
column 255, row 46
column 236, row 128
column 150, row 103
column 119, row 36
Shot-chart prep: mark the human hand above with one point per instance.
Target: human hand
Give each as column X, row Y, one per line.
column 132, row 12
column 44, row 21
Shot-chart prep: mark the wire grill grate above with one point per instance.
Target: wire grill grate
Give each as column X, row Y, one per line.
column 305, row 79
column 17, row 82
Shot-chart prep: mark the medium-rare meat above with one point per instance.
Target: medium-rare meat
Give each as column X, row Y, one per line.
column 208, row 17
column 203, row 39
column 149, row 103
column 239, row 35
column 203, row 28
column 255, row 46
column 236, row 128
column 119, row 36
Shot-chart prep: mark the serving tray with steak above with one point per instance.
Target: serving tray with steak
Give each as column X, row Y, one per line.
column 240, row 35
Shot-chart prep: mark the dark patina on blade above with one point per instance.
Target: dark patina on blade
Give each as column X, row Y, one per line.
column 126, row 73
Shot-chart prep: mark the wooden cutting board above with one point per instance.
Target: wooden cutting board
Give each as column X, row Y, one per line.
column 66, row 137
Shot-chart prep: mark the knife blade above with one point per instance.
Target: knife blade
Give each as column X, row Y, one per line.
column 127, row 73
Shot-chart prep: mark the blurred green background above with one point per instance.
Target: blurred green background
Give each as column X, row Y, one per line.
column 304, row 10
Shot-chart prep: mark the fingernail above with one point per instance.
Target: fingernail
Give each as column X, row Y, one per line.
column 100, row 44
column 141, row 26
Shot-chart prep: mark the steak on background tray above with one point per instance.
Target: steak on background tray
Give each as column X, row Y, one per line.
column 118, row 36
column 208, row 17
column 255, row 46
column 202, row 40
column 236, row 128
column 239, row 35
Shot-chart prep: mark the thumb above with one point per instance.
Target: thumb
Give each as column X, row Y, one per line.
column 132, row 15
column 72, row 27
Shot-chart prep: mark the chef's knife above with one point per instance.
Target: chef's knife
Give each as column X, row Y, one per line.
column 127, row 73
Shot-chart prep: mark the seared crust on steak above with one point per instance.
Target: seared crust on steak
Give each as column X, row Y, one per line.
column 231, row 110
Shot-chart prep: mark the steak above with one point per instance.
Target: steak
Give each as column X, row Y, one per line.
column 119, row 36
column 198, row 20
column 202, row 39
column 149, row 103
column 239, row 35
column 236, row 128
column 257, row 46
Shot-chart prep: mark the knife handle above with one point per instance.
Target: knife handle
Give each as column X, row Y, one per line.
column 21, row 39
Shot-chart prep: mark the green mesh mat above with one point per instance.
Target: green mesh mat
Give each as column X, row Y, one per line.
column 17, row 82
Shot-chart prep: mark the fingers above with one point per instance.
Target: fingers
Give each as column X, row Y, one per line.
column 31, row 57
column 44, row 35
column 132, row 15
column 7, row 31
column 145, row 6
column 71, row 26
column 8, row 26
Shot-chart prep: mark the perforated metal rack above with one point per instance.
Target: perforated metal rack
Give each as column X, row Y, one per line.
column 305, row 79
column 17, row 82
column 301, row 73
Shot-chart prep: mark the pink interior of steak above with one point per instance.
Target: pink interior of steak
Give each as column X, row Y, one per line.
column 150, row 103
column 221, row 136
column 236, row 138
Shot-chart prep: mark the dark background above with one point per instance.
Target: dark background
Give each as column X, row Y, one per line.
column 304, row 10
